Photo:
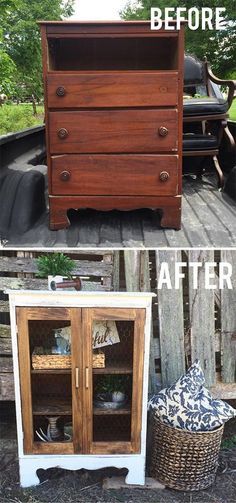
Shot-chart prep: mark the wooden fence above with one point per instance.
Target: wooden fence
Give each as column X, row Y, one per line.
column 187, row 323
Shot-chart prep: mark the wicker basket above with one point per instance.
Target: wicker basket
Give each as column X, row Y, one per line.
column 49, row 361
column 183, row 460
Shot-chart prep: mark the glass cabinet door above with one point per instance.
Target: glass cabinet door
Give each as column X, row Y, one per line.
column 113, row 373
column 50, row 360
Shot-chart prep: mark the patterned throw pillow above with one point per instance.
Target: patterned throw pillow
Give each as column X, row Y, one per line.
column 188, row 405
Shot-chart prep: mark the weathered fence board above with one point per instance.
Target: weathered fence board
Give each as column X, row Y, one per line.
column 202, row 318
column 7, row 387
column 145, row 286
column 228, row 323
column 4, row 306
column 137, row 277
column 82, row 267
column 5, row 331
column 6, row 364
column 171, row 321
column 132, row 270
column 42, row 284
column 5, row 346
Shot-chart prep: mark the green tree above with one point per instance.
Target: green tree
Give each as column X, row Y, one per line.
column 21, row 39
column 219, row 46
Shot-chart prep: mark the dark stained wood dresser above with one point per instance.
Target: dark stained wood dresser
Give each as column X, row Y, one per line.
column 113, row 98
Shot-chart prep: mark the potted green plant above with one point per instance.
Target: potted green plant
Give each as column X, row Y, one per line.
column 114, row 387
column 55, row 267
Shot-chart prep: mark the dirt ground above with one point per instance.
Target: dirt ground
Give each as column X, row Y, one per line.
column 61, row 486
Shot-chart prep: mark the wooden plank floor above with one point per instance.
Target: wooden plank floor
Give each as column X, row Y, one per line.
column 208, row 220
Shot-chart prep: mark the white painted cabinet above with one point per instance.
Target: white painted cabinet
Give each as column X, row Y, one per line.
column 81, row 380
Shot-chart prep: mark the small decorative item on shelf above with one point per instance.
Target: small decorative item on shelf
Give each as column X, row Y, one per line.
column 54, row 433
column 111, row 392
column 62, row 345
column 44, row 359
column 72, row 284
column 56, row 267
column 118, row 396
column 68, row 431
column 56, row 357
column 99, row 360
column 105, row 401
column 105, row 333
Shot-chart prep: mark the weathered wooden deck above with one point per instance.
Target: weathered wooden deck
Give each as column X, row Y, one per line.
column 208, row 220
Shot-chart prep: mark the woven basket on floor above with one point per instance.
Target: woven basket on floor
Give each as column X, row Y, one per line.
column 183, row 460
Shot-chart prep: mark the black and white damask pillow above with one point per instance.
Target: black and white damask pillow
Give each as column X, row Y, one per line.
column 188, row 405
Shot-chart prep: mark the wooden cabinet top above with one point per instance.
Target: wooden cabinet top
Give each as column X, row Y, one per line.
column 82, row 299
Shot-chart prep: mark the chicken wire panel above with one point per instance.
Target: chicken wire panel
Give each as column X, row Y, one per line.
column 112, row 429
column 115, row 340
column 51, row 383
column 112, row 380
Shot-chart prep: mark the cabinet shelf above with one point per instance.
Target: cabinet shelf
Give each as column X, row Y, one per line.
column 114, row 369
column 63, row 408
column 51, row 371
column 111, row 412
column 56, row 406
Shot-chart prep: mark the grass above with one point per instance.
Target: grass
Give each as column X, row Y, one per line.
column 232, row 111
column 17, row 117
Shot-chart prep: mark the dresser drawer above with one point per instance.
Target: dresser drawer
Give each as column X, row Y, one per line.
column 113, row 131
column 121, row 89
column 115, row 175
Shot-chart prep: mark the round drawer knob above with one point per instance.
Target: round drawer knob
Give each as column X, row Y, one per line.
column 163, row 131
column 60, row 91
column 62, row 133
column 164, row 176
column 65, row 176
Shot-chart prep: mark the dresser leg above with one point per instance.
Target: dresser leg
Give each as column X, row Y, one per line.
column 171, row 217
column 28, row 476
column 58, row 217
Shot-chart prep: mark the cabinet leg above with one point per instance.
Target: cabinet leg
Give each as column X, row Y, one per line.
column 28, row 476
column 136, row 475
column 58, row 217
column 171, row 217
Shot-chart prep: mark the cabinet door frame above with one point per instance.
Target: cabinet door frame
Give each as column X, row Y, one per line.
column 23, row 316
column 138, row 315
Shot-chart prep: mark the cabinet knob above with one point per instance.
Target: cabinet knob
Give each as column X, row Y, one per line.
column 62, row 133
column 64, row 176
column 164, row 176
column 163, row 131
column 60, row 91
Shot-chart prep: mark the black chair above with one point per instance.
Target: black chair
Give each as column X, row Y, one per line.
column 205, row 113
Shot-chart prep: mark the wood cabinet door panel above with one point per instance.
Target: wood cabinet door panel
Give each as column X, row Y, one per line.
column 113, row 131
column 50, row 388
column 114, row 175
column 114, row 89
column 110, row 430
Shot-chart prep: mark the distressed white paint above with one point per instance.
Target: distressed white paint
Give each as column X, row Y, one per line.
column 29, row 464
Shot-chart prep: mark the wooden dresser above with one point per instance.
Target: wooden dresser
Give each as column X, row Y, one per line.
column 113, row 98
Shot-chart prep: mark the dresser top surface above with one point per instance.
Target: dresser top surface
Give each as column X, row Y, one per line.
column 97, row 23
column 106, row 25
